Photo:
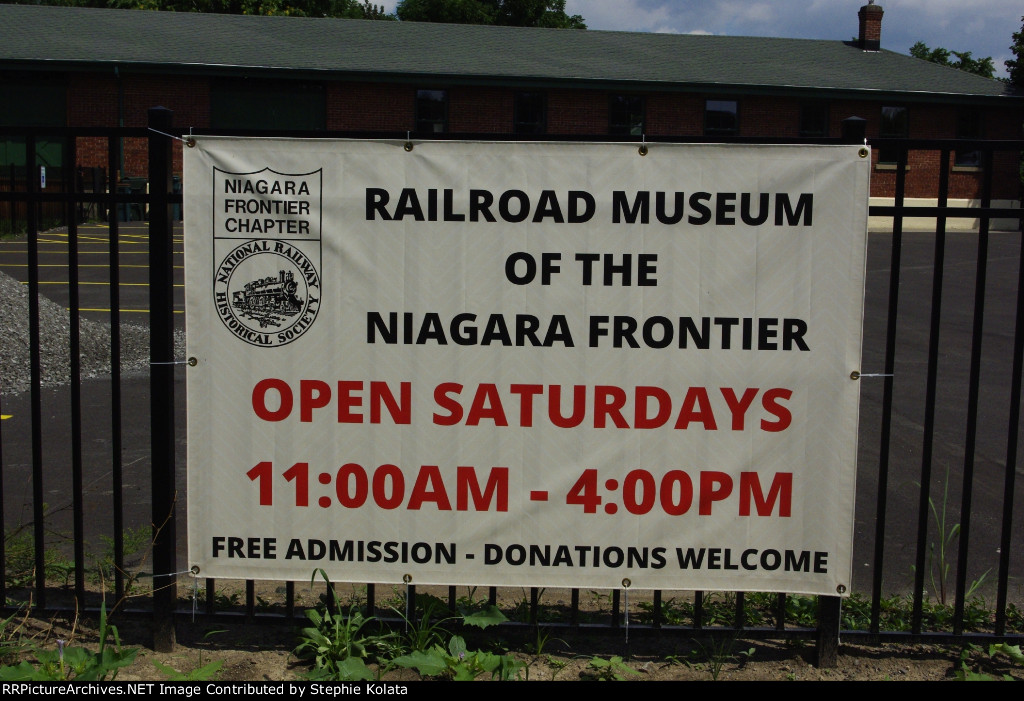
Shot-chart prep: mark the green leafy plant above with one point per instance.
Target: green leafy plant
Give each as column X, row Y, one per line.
column 457, row 663
column 12, row 643
column 133, row 542
column 719, row 652
column 20, row 559
column 940, row 559
column 967, row 672
column 335, row 644
column 75, row 663
column 432, row 657
column 556, row 665
column 338, row 645
column 612, row 669
column 541, row 638
column 428, row 630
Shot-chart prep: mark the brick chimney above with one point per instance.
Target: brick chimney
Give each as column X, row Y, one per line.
column 870, row 16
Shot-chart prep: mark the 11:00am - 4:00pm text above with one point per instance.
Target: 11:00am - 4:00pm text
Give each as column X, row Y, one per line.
column 638, row 492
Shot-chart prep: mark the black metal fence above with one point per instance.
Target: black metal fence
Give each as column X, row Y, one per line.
column 944, row 343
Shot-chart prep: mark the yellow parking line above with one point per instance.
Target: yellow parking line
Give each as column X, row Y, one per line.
column 83, row 253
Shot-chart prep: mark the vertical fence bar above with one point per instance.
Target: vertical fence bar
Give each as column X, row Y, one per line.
column 116, row 446
column 161, row 329
column 931, row 382
column 35, row 365
column 739, row 619
column 890, row 363
column 854, row 130
column 13, row 203
column 250, row 599
column 371, row 599
column 1010, row 470
column 972, row 396
column 74, row 347
column 780, row 612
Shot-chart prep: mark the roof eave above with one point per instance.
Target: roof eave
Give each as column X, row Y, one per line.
column 441, row 78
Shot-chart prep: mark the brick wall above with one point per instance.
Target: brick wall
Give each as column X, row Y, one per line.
column 93, row 100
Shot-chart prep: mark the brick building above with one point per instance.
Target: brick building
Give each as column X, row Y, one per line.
column 86, row 67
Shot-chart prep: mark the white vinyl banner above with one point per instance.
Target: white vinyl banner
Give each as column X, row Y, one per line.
column 524, row 364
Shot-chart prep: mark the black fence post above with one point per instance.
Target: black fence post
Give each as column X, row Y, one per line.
column 854, row 131
column 161, row 329
column 829, row 616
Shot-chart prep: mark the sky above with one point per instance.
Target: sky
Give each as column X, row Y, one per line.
column 983, row 27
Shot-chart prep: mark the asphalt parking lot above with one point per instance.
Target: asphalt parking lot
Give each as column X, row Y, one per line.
column 94, row 284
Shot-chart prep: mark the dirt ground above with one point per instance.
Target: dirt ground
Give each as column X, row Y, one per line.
column 261, row 652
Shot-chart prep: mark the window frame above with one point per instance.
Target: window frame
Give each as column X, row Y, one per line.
column 520, row 123
column 428, row 123
column 249, row 104
column 901, row 130
column 970, row 124
column 712, row 130
column 821, row 111
column 621, row 121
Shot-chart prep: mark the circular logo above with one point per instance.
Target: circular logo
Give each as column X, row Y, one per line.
column 267, row 292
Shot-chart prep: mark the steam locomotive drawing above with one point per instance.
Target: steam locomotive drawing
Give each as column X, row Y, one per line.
column 268, row 299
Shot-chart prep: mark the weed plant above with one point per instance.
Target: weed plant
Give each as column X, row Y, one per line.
column 348, row 646
column 74, row 663
column 895, row 612
column 201, row 672
column 613, row 669
column 975, row 666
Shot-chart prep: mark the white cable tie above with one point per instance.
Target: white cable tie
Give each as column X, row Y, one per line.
column 170, row 362
column 175, row 574
column 877, row 374
column 172, row 136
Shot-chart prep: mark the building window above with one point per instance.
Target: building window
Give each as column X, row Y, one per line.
column 969, row 125
column 431, row 111
column 721, row 118
column 36, row 102
column 33, row 101
column 626, row 115
column 241, row 104
column 894, row 125
column 814, row 119
column 530, row 113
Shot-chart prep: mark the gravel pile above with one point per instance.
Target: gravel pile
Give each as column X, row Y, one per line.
column 54, row 334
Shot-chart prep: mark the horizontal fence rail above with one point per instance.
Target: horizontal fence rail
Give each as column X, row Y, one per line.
column 912, row 377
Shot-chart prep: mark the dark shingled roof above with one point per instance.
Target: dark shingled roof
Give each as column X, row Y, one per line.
column 58, row 38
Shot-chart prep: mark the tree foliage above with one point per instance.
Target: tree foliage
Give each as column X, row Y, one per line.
column 984, row 67
column 512, row 13
column 1015, row 66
